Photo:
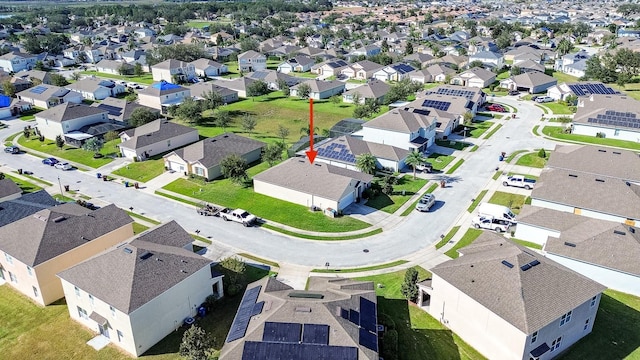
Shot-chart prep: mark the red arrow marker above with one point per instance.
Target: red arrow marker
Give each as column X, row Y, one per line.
column 311, row 154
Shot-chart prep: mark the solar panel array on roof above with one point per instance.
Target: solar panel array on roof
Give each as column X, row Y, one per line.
column 402, row 68
column 112, row 110
column 354, row 316
column 337, row 64
column 338, row 152
column 259, row 74
column 278, row 351
column 368, row 339
column 315, row 334
column 38, row 89
column 282, row 332
column 245, row 312
column 453, row 92
column 617, row 119
column 368, row 315
column 436, row 104
column 589, row 89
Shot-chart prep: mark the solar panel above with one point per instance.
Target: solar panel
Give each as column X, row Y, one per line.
column 436, row 104
column 507, row 264
column 282, row 332
column 368, row 339
column 245, row 311
column 584, row 89
column 38, row 90
column 344, row 313
column 525, row 267
column 368, row 315
column 354, row 317
column 254, row 350
column 315, row 334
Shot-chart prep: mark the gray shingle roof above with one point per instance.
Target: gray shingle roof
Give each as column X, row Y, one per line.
column 124, row 280
column 359, row 147
column 120, row 109
column 599, row 104
column 201, row 88
column 69, row 111
column 621, row 164
column 549, row 219
column 153, row 132
column 8, row 188
column 54, row 231
column 319, row 179
column 211, row 151
column 528, row 300
column 400, row 121
column 533, row 78
column 373, row 89
column 24, row 206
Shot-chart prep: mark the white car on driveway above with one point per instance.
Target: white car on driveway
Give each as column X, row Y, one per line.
column 490, row 223
column 63, row 166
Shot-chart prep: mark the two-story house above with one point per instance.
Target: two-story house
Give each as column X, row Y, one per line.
column 251, row 61
column 173, row 71
column 16, row 61
column 401, row 128
column 162, row 95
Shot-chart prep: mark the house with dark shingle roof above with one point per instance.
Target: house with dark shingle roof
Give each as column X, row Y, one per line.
column 38, row 246
column 204, row 157
column 48, row 96
column 120, row 110
column 375, row 90
column 278, row 322
column 69, row 118
column 409, row 130
column 320, row 89
column 25, row 205
column 155, row 138
column 200, row 90
column 509, row 302
column 333, row 152
column 615, row 116
column 533, row 82
column 9, row 190
column 312, row 185
column 137, row 293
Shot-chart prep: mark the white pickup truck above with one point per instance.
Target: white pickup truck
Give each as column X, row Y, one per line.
column 491, row 223
column 518, row 181
column 241, row 216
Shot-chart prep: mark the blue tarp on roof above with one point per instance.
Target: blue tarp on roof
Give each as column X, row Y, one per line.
column 5, row 101
column 163, row 85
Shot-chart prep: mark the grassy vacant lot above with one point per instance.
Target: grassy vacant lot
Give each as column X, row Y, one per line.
column 71, row 153
column 533, row 160
column 276, row 109
column 477, row 128
column 402, row 191
column 557, row 108
column 440, row 161
column 513, row 201
column 557, row 132
column 420, row 336
column 466, row 239
column 142, row 79
column 225, row 193
column 142, row 171
column 25, row 186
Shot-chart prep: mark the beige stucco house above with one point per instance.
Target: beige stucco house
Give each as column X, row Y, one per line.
column 67, row 118
column 139, row 292
column 37, row 247
column 155, row 138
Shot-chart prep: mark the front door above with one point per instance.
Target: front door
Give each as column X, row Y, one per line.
column 104, row 330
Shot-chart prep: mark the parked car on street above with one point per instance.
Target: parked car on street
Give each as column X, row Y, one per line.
column 490, row 223
column 63, row 166
column 241, row 216
column 12, row 150
column 426, row 202
column 544, row 99
column 50, row 161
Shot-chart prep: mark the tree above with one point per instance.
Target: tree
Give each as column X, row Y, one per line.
column 211, row 100
column 564, row 46
column 141, row 116
column 410, row 285
column 248, row 43
column 414, row 159
column 304, row 90
column 335, row 99
column 366, row 163
column 356, row 98
column 515, row 70
column 249, row 123
column 284, row 87
column 467, row 118
column 58, row 80
column 196, row 344
column 219, row 41
column 189, row 111
column 75, row 76
column 307, row 131
column 234, row 167
column 282, row 133
column 388, row 182
column 94, row 144
column 111, row 135
column 257, row 88
column 409, row 48
column 272, row 154
column 476, row 63
column 137, row 69
column 59, row 141
column 8, row 88
column 39, row 65
column 222, row 119
column 384, row 47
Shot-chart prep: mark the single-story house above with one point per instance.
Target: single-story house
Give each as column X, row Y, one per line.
column 509, row 302
column 581, row 90
column 299, row 63
column 488, row 58
column 32, row 76
column 320, row 89
column 404, row 129
column 39, row 246
column 312, row 185
column 238, row 85
column 343, row 152
column 433, row 73
column 373, row 89
column 67, row 118
column 475, row 77
column 199, row 91
column 114, row 67
column 273, row 78
column 612, row 116
column 533, row 82
column 47, row 96
column 96, row 88
column 137, row 293
column 331, row 67
column 204, row 157
column 361, row 70
column 162, row 95
column 120, row 110
column 614, row 163
column 393, row 72
column 155, row 138
column 207, row 68
column 530, row 65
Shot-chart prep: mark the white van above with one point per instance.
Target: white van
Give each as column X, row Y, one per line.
column 499, row 212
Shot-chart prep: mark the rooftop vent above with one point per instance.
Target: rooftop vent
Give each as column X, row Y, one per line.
column 618, row 232
column 600, row 150
column 303, row 309
column 183, row 271
column 573, row 175
column 600, row 180
column 146, row 255
column 528, row 266
column 507, row 264
column 617, row 153
column 627, row 183
column 127, row 250
column 59, row 219
column 305, row 295
column 632, row 230
column 569, row 244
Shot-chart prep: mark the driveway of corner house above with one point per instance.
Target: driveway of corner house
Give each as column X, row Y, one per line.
column 416, row 233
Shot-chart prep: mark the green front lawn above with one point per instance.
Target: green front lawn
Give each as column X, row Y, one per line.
column 466, row 239
column 477, row 128
column 225, row 193
column 138, row 228
column 142, row 79
column 29, row 114
column 533, row 160
column 440, row 161
column 557, row 132
column 142, row 171
column 71, row 153
column 557, row 108
column 402, row 192
column 562, row 77
column 25, row 186
column 420, row 336
column 513, row 201
column 452, row 144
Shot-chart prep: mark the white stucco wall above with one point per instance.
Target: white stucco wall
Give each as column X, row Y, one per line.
column 583, row 212
column 293, row 196
column 622, row 133
column 165, row 145
column 381, row 136
column 50, row 129
column 534, row 234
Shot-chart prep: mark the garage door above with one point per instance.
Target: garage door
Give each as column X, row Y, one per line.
column 176, row 166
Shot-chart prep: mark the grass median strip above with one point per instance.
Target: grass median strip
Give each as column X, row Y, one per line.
column 474, row 148
column 259, row 259
column 25, row 186
column 495, row 129
column 176, row 198
column 477, row 200
column 514, row 154
column 318, row 237
column 200, row 238
column 144, row 218
column 408, row 210
column 535, row 130
column 37, row 179
column 455, row 167
column 466, row 239
column 367, row 268
column 557, row 132
column 447, row 237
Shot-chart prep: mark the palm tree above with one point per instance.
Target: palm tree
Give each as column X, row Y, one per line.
column 366, row 163
column 414, row 159
column 564, row 46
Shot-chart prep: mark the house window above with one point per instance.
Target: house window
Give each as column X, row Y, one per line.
column 556, row 343
column 9, row 258
column 200, row 171
column 534, row 337
column 593, row 300
column 91, row 299
column 35, row 291
column 120, row 336
column 13, row 277
column 30, row 270
column 586, row 325
column 77, row 291
column 565, row 318
column 113, row 311
column 82, row 313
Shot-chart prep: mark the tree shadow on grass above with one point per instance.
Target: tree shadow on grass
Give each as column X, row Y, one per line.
column 380, row 201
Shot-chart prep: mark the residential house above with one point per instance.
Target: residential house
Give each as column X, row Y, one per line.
column 612, row 116
column 284, row 51
column 344, row 150
column 508, row 302
column 173, row 71
column 251, row 61
column 21, row 83
column 433, row 73
column 39, row 246
column 16, row 61
column 573, row 64
column 530, row 66
column 514, row 53
column 480, row 44
column 96, row 88
column 238, row 85
column 580, row 89
column 142, row 32
column 453, row 61
column 299, row 63
column 419, row 59
column 120, row 110
column 204, row 157
column 48, row 96
column 207, row 68
column 453, row 98
column 6, row 109
column 488, row 58
column 200, row 90
column 320, row 89
column 162, row 95
column 366, row 51
column 141, row 291
column 373, row 89
column 114, row 67
column 532, row 82
column 273, row 78
column 9, row 190
column 68, row 119
column 155, row 138
column 361, row 70
column 224, row 36
column 474, row 77
column 328, row 68
column 25, row 205
column 317, row 185
column 401, row 128
column 34, row 77
column 314, row 324
column 394, row 72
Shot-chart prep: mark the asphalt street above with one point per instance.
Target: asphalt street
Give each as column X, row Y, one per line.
column 416, row 232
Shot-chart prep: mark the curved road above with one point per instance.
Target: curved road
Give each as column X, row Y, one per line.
column 416, row 232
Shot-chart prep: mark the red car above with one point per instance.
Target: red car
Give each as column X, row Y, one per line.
column 496, row 107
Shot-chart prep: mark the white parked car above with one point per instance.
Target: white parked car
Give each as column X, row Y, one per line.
column 490, row 223
column 426, row 202
column 63, row 166
column 544, row 99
